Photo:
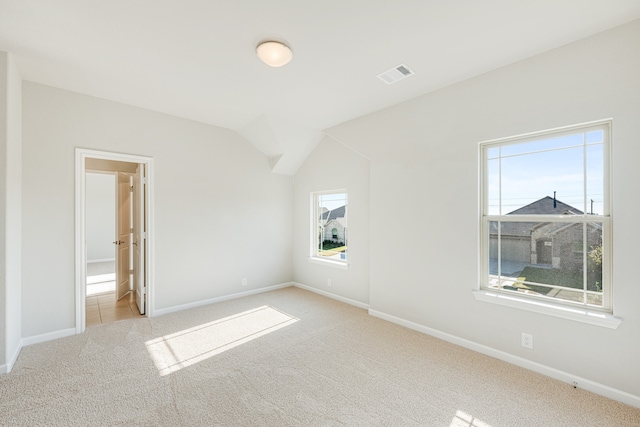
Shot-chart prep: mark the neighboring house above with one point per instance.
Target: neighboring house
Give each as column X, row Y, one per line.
column 543, row 243
column 334, row 225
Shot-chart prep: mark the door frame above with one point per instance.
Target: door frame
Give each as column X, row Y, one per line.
column 81, row 154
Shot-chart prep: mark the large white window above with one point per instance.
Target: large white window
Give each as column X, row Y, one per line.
column 329, row 226
column 545, row 216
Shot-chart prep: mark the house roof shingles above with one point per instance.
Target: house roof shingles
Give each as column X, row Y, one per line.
column 544, row 206
column 333, row 214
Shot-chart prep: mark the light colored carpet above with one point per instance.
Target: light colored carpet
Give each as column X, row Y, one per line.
column 283, row 358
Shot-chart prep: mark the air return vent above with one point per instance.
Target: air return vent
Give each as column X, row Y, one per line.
column 396, row 74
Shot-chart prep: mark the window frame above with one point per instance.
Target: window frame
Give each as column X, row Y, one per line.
column 577, row 311
column 315, row 213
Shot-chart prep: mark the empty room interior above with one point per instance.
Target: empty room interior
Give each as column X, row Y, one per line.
column 319, row 213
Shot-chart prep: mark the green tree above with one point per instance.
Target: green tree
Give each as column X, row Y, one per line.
column 594, row 264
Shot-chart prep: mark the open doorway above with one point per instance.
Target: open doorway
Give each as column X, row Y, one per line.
column 100, row 211
column 110, row 292
column 113, row 236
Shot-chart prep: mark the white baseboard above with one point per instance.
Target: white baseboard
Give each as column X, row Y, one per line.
column 565, row 377
column 7, row 367
column 36, row 339
column 332, row 296
column 93, row 261
column 162, row 311
column 14, row 358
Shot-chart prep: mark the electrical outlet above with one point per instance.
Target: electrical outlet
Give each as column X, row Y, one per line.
column 244, row 281
column 527, row 340
column 328, row 282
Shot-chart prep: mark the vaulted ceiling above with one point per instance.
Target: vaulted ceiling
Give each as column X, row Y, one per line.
column 196, row 58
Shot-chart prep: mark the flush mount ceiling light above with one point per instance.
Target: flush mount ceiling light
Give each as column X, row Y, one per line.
column 274, row 54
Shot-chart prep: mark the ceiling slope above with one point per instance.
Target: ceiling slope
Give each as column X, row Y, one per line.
column 196, row 59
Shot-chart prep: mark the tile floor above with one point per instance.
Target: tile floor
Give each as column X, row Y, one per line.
column 101, row 305
column 104, row 308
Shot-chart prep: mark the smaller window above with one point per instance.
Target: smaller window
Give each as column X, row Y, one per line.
column 329, row 226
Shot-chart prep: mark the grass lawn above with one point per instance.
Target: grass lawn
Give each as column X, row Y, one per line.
column 551, row 276
column 333, row 251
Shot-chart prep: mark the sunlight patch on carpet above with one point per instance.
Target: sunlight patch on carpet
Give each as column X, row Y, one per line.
column 462, row 419
column 173, row 352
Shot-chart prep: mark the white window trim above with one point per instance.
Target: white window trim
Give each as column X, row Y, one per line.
column 580, row 313
column 329, row 263
column 313, row 235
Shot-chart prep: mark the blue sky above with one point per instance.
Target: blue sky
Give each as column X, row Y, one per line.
column 533, row 170
column 332, row 201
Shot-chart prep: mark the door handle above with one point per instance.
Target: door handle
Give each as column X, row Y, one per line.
column 135, row 243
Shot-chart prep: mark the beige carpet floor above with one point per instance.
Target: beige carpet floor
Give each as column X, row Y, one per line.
column 282, row 358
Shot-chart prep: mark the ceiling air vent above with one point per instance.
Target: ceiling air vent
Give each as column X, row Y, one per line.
column 396, row 74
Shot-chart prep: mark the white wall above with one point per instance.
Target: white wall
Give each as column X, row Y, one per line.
column 220, row 215
column 100, row 211
column 424, row 176
column 10, row 211
column 332, row 166
column 4, row 107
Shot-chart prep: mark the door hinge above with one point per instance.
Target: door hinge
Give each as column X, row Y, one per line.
column 131, row 230
column 132, row 188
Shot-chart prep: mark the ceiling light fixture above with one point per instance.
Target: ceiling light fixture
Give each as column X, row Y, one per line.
column 274, row 54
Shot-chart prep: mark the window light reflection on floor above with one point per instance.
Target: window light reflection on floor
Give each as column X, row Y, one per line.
column 173, row 352
column 101, row 283
column 462, row 419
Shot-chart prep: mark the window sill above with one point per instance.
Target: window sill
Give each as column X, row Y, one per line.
column 572, row 313
column 336, row 264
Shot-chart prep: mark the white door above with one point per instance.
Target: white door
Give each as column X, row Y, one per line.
column 123, row 230
column 139, row 238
